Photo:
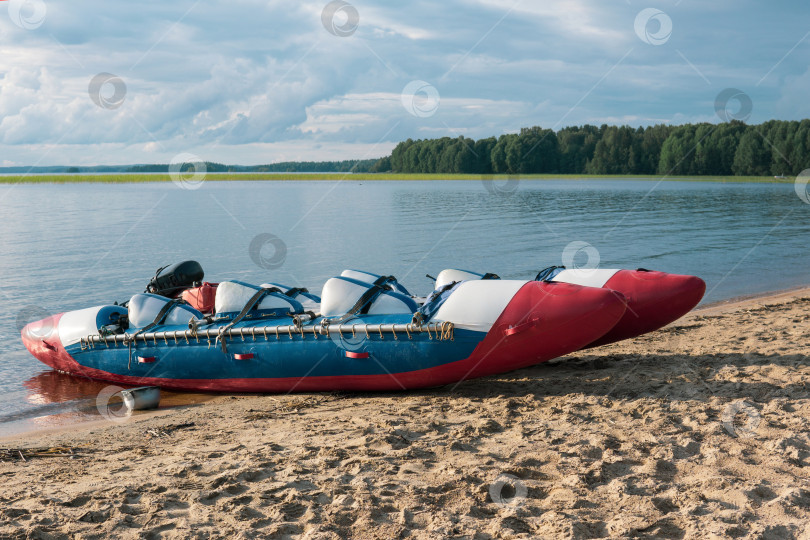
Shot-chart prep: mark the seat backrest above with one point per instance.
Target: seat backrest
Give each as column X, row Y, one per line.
column 369, row 277
column 144, row 308
column 233, row 296
column 340, row 294
column 311, row 302
column 450, row 275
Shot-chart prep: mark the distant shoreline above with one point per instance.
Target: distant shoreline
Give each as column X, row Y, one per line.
column 134, row 178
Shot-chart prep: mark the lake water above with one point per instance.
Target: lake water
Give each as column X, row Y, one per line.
column 70, row 246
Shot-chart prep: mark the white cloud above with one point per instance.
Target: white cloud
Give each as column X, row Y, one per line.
column 573, row 19
column 244, row 154
column 793, row 97
column 362, row 117
column 264, row 79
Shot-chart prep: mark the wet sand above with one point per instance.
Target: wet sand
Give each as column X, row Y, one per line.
column 59, row 402
column 698, row 430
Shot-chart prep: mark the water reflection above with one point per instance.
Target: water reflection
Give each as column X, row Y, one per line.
column 51, row 399
column 56, row 400
column 54, row 387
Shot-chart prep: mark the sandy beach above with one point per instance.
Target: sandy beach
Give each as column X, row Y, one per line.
column 699, row 430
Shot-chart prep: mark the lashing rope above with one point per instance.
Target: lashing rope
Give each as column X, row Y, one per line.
column 440, row 331
column 253, row 302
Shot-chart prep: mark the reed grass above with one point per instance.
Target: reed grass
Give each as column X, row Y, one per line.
column 136, row 178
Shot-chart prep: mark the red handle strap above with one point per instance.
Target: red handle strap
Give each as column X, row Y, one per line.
column 517, row 329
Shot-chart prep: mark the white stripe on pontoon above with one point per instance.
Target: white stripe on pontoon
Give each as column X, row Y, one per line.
column 587, row 277
column 476, row 305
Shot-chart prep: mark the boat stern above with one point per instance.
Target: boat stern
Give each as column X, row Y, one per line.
column 544, row 321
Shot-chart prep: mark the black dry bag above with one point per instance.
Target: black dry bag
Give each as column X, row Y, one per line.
column 169, row 280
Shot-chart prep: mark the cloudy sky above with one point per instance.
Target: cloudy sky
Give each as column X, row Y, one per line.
column 250, row 82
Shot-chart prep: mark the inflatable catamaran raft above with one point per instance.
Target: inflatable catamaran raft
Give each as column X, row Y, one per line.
column 365, row 331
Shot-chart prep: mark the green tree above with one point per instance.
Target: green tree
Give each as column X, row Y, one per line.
column 751, row 158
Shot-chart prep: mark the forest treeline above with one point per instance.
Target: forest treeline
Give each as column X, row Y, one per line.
column 346, row 166
column 773, row 148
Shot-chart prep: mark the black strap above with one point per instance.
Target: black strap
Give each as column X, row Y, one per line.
column 161, row 316
column 426, row 312
column 363, row 303
column 151, row 287
column 543, row 275
column 295, row 291
column 253, row 302
column 491, row 276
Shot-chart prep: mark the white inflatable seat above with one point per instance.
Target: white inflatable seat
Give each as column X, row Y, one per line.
column 232, row 296
column 144, row 308
column 340, row 294
column 476, row 305
column 446, row 277
column 309, row 301
column 75, row 325
column 369, row 277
